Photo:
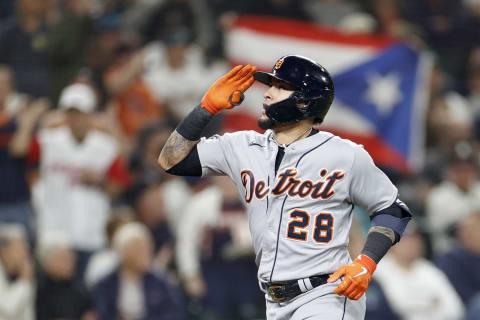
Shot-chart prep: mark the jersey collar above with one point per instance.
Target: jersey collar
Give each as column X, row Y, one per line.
column 267, row 137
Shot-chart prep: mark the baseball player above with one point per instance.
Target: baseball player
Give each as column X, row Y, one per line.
column 299, row 185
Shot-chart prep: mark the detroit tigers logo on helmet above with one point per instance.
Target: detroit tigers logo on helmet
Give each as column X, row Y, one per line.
column 279, row 63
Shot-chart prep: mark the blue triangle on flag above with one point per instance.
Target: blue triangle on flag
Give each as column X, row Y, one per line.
column 382, row 90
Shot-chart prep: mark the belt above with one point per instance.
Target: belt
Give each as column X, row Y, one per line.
column 285, row 290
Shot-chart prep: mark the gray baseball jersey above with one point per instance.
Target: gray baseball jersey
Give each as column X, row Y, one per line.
column 300, row 216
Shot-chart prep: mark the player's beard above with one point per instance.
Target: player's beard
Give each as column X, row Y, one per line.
column 266, row 123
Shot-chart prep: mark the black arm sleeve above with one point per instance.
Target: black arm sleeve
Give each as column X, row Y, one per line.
column 376, row 246
column 189, row 166
column 192, row 126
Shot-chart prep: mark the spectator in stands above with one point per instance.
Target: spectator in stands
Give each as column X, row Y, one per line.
column 105, row 261
column 447, row 28
column 470, row 20
column 214, row 247
column 23, row 46
column 6, row 9
column 340, row 14
column 452, row 200
column 143, row 161
column 80, row 172
column 378, row 307
column 473, row 83
column 169, row 17
column 57, row 295
column 17, row 290
column 149, row 206
column 68, row 39
column 11, row 101
column 450, row 131
column 473, row 308
column 17, row 124
column 462, row 263
column 176, row 74
column 174, row 191
column 132, row 291
column 133, row 105
column 413, row 286
column 279, row 8
column 101, row 51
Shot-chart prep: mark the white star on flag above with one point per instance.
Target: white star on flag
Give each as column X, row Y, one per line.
column 384, row 91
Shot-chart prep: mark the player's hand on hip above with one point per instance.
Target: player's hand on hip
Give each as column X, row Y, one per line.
column 356, row 277
column 227, row 91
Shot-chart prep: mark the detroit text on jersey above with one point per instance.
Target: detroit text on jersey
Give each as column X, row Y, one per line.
column 288, row 184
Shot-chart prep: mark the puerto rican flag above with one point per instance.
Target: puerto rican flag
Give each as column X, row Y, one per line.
column 380, row 85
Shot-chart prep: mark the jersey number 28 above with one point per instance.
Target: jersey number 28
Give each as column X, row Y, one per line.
column 300, row 220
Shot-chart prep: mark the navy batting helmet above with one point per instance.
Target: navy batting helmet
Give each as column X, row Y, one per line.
column 314, row 88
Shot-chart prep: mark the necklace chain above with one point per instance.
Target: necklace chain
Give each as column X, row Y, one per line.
column 306, row 132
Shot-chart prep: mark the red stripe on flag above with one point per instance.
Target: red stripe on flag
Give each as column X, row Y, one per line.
column 309, row 31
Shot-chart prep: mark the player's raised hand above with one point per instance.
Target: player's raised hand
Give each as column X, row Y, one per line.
column 227, row 91
column 357, row 277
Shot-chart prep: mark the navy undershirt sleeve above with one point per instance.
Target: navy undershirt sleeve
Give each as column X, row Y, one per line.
column 189, row 166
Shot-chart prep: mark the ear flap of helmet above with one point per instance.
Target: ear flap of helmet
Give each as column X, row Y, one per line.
column 284, row 111
column 298, row 97
column 309, row 110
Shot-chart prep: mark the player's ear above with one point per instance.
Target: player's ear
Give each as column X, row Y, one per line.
column 302, row 105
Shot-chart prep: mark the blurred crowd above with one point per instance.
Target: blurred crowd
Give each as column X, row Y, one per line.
column 92, row 228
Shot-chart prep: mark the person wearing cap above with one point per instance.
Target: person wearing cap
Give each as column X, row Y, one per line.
column 80, row 170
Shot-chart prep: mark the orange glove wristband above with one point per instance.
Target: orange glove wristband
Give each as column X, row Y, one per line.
column 208, row 105
column 367, row 262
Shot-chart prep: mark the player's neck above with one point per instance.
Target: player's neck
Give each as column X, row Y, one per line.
column 288, row 133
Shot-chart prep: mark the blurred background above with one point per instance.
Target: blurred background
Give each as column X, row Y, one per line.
column 92, row 228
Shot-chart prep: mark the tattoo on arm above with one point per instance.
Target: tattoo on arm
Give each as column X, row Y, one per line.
column 175, row 150
column 385, row 231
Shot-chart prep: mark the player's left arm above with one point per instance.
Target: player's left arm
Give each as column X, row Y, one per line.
column 372, row 190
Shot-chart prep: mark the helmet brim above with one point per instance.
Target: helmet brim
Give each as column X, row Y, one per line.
column 263, row 77
column 266, row 78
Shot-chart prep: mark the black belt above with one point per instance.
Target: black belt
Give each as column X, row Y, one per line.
column 285, row 290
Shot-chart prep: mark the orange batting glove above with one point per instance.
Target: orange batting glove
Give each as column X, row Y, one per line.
column 227, row 91
column 357, row 276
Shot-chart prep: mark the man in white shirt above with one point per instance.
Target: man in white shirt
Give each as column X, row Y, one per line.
column 80, row 172
column 451, row 201
column 413, row 286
